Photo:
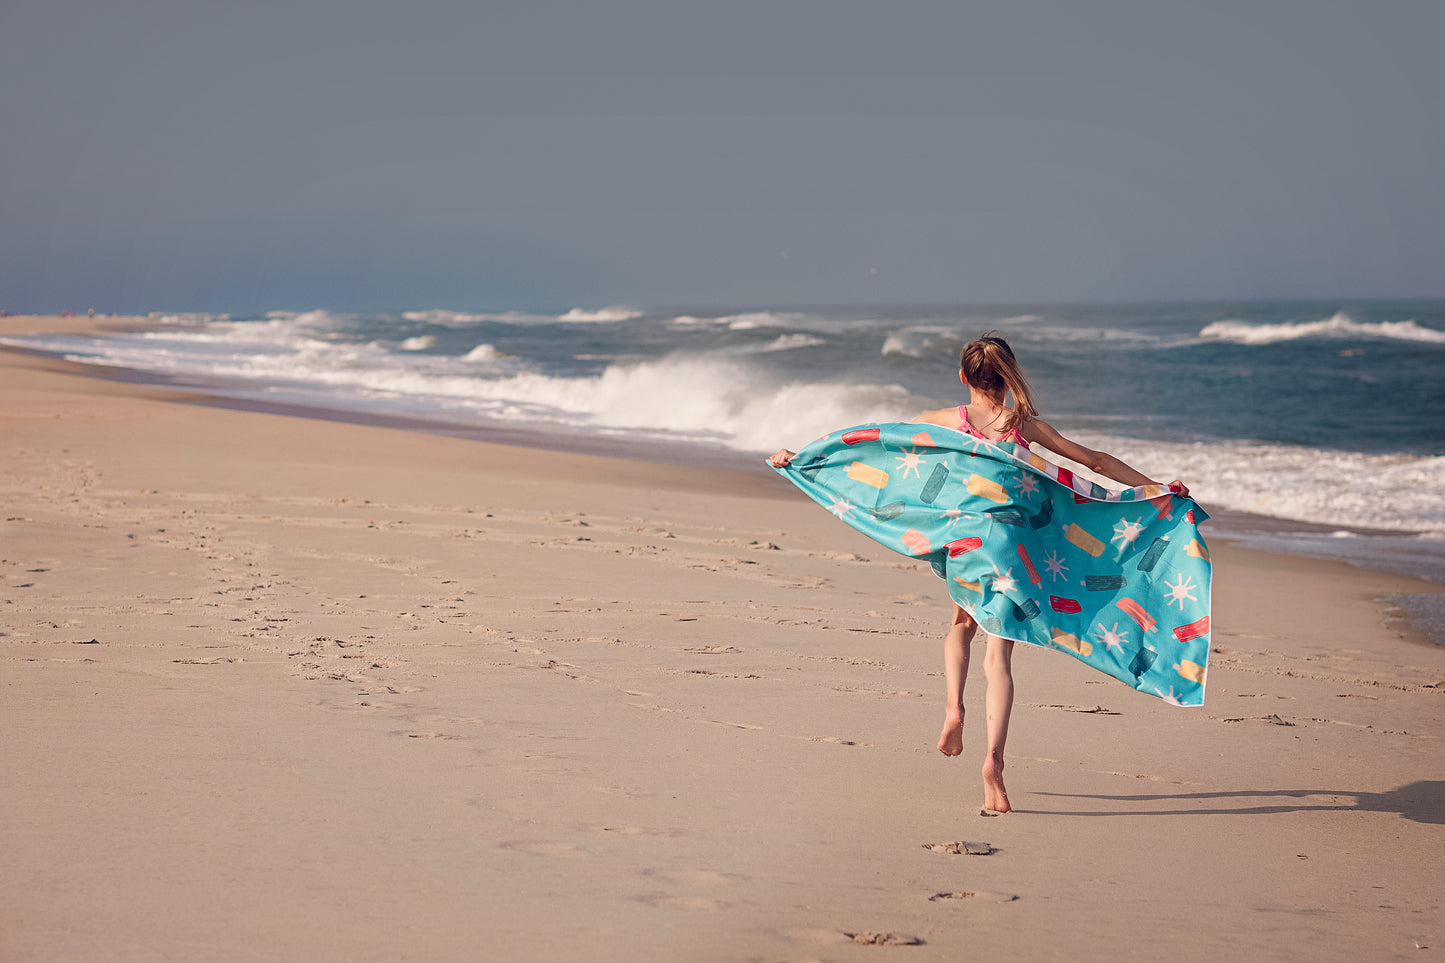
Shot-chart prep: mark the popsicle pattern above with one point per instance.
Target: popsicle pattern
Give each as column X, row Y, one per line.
column 1118, row 579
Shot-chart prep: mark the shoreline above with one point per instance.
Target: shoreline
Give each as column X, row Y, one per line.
column 1422, row 610
column 1230, row 522
column 284, row 688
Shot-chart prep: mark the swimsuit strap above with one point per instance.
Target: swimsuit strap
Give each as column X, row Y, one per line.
column 965, row 426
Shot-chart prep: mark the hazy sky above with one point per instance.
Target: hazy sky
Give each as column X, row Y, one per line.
column 251, row 155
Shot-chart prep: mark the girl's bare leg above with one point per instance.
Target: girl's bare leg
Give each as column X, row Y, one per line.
column 955, row 674
column 999, row 703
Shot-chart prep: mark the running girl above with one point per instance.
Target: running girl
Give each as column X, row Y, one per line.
column 991, row 373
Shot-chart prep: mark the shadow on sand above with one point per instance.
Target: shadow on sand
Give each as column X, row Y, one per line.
column 1421, row 802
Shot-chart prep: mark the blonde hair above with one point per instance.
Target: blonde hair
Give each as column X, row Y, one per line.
column 989, row 365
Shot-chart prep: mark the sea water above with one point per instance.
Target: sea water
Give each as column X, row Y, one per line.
column 1327, row 413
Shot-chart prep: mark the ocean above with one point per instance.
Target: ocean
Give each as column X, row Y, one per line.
column 1326, row 417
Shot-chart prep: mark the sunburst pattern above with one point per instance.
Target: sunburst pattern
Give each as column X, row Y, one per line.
column 1057, row 567
column 1183, row 590
column 1004, row 582
column 1126, row 530
column 909, row 461
column 1110, row 637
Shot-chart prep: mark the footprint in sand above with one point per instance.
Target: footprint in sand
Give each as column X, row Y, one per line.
column 1142, row 775
column 960, row 848
column 873, row 938
column 1088, row 710
column 693, row 877
column 540, row 848
column 1272, row 719
column 679, row 902
column 818, row 937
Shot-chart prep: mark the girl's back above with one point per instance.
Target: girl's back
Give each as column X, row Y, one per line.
column 958, row 419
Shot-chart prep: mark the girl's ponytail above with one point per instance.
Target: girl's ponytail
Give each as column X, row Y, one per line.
column 988, row 363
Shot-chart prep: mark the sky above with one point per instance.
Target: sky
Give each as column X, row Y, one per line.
column 352, row 156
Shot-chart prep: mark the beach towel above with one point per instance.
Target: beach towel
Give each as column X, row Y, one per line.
column 1120, row 580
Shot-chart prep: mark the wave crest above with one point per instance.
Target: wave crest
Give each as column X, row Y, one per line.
column 713, row 400
column 788, row 342
column 1338, row 326
column 615, row 313
column 747, row 321
column 484, row 352
column 454, row 318
column 574, row 316
column 921, row 342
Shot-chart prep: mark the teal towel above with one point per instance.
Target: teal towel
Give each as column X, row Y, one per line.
column 1118, row 579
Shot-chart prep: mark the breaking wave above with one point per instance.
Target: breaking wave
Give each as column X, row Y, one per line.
column 744, row 322
column 1398, row 492
column 574, row 316
column 1338, row 326
column 614, row 313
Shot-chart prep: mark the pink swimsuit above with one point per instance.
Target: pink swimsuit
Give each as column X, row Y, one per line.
column 964, row 426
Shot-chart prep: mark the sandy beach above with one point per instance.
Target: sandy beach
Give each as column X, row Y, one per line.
column 287, row 689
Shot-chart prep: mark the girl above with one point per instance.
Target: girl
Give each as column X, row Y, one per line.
column 990, row 372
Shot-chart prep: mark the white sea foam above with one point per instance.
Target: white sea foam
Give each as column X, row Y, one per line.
column 1396, row 491
column 160, row 317
column 702, row 398
column 458, row 318
column 483, row 352
column 709, row 398
column 745, row 322
column 284, row 331
column 614, row 313
column 1338, row 326
column 420, row 343
column 574, row 316
column 918, row 341
column 311, row 319
column 787, row 342
column 1078, row 333
column 926, row 341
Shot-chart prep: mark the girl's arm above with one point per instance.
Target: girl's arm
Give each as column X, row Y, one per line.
column 1099, row 461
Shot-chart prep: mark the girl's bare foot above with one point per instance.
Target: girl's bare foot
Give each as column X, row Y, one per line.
column 951, row 742
column 995, row 797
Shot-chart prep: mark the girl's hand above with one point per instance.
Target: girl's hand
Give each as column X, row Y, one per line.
column 782, row 458
column 1179, row 488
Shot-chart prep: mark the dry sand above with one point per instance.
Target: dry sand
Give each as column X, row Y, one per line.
column 282, row 689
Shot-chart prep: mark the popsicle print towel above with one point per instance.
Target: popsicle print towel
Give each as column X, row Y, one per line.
column 1118, row 579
